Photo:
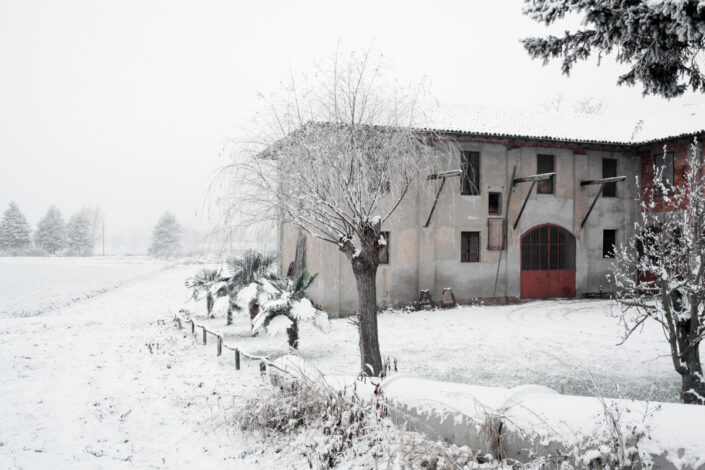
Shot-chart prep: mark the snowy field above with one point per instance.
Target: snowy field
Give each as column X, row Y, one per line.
column 31, row 286
column 104, row 383
column 108, row 381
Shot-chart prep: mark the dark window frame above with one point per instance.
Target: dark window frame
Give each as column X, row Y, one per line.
column 498, row 212
column 470, row 247
column 609, row 170
column 383, row 254
column 607, row 250
column 470, row 178
column 545, row 186
column 665, row 156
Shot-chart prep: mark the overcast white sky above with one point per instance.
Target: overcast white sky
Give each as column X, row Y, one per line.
column 126, row 104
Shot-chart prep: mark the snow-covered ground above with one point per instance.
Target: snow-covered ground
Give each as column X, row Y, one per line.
column 568, row 345
column 108, row 382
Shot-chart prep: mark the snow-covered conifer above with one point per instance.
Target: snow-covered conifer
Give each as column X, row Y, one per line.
column 14, row 230
column 51, row 231
column 661, row 41
column 166, row 237
column 79, row 235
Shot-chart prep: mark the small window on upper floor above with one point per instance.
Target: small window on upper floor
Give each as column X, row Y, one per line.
column 494, row 204
column 665, row 161
column 384, row 250
column 470, row 179
column 609, row 240
column 609, row 170
column 545, row 164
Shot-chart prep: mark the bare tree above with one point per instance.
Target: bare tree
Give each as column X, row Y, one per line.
column 661, row 277
column 337, row 157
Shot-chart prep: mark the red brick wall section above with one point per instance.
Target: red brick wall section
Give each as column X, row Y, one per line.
column 680, row 148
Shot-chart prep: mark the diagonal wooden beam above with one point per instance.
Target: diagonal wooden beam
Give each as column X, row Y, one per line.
column 435, row 201
column 599, row 193
column 526, row 199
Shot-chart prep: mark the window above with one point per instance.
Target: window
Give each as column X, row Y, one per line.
column 469, row 247
column 470, row 165
column 545, row 164
column 383, row 253
column 664, row 161
column 494, row 206
column 609, row 170
column 495, row 233
column 609, row 239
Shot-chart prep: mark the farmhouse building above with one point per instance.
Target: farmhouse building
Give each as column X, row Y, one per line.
column 559, row 230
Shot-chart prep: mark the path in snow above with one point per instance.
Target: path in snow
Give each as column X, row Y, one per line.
column 80, row 388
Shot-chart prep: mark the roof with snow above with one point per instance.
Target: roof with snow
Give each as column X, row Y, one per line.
column 583, row 128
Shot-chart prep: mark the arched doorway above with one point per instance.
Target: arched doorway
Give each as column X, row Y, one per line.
column 547, row 263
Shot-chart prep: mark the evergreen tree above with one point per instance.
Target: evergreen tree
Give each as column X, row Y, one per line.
column 79, row 235
column 14, row 230
column 662, row 42
column 166, row 236
column 51, row 231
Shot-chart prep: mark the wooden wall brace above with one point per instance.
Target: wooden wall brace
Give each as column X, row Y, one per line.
column 602, row 182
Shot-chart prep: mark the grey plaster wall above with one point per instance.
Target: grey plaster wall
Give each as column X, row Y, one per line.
column 429, row 257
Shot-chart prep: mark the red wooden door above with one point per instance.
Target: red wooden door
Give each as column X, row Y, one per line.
column 547, row 263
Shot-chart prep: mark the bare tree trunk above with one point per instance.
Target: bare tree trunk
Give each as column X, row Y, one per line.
column 229, row 321
column 293, row 335
column 693, row 385
column 209, row 303
column 365, row 270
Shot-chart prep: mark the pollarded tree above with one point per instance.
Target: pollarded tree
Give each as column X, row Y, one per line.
column 14, row 230
column 336, row 159
column 51, row 231
column 662, row 41
column 661, row 277
column 166, row 236
column 80, row 239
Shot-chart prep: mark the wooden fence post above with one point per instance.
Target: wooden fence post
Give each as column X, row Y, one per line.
column 262, row 368
column 237, row 359
column 205, row 340
column 219, row 345
column 178, row 322
column 193, row 327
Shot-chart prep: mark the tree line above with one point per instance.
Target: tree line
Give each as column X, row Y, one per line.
column 53, row 235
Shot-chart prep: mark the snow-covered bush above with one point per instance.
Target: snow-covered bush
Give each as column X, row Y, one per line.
column 286, row 307
column 245, row 274
column 202, row 284
column 330, row 426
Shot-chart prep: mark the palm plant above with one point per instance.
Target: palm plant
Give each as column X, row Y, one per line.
column 244, row 271
column 203, row 283
column 287, row 307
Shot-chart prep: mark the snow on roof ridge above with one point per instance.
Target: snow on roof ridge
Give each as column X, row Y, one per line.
column 561, row 125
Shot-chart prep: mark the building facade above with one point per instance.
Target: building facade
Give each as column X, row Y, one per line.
column 558, row 243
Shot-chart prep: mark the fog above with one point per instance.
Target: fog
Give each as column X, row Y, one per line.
column 127, row 105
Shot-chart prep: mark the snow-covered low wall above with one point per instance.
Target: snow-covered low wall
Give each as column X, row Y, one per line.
column 530, row 422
